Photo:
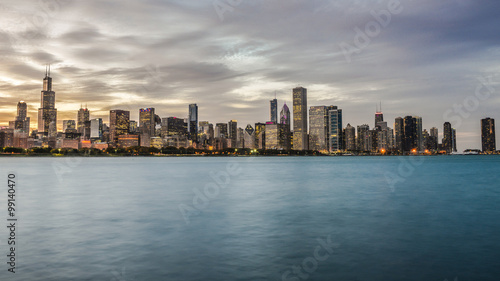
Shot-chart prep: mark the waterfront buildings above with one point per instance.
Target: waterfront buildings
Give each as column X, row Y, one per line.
column 274, row 110
column 488, row 139
column 193, row 122
column 300, row 137
column 47, row 113
column 119, row 124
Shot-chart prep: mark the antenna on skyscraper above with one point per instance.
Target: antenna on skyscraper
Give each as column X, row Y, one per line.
column 49, row 70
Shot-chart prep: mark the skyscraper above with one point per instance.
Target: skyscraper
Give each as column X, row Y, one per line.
column 193, row 122
column 420, row 139
column 399, row 134
column 22, row 110
column 300, row 139
column 233, row 131
column 285, row 126
column 318, row 128
column 96, row 129
column 260, row 135
column 69, row 126
column 335, row 136
column 379, row 116
column 488, row 139
column 447, row 137
column 410, row 137
column 147, row 122
column 83, row 125
column 350, row 138
column 221, row 130
column 364, row 140
column 119, row 124
column 249, row 137
column 21, row 119
column 274, row 110
column 47, row 113
column 432, row 143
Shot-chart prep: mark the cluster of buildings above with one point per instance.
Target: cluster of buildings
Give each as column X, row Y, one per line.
column 318, row 128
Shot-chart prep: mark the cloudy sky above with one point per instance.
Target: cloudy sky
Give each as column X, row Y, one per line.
column 434, row 59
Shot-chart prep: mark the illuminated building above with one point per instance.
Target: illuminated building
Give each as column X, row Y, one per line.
column 488, row 139
column 318, row 128
column 300, row 133
column 147, row 122
column 193, row 122
column 47, row 113
column 119, row 124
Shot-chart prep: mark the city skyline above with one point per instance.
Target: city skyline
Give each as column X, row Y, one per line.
column 409, row 132
column 231, row 71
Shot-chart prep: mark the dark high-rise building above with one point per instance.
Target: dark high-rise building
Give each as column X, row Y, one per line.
column 420, row 138
column 193, row 122
column 83, row 119
column 173, row 126
column 22, row 121
column 488, row 139
column 147, row 122
column 119, row 124
column 221, row 130
column 379, row 116
column 22, row 110
column 350, row 138
column 364, row 139
column 432, row 143
column 410, row 137
column 274, row 110
column 399, row 130
column 300, row 137
column 233, row 131
column 47, row 113
column 285, row 126
column 447, row 137
column 260, row 135
column 335, row 136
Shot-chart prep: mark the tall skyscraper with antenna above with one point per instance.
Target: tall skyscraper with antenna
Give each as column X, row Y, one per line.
column 379, row 116
column 47, row 113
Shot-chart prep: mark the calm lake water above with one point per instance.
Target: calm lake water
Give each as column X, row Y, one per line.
column 254, row 218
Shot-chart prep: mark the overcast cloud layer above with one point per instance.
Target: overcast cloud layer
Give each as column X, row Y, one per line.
column 231, row 60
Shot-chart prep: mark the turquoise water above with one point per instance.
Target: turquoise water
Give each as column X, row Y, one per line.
column 242, row 218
